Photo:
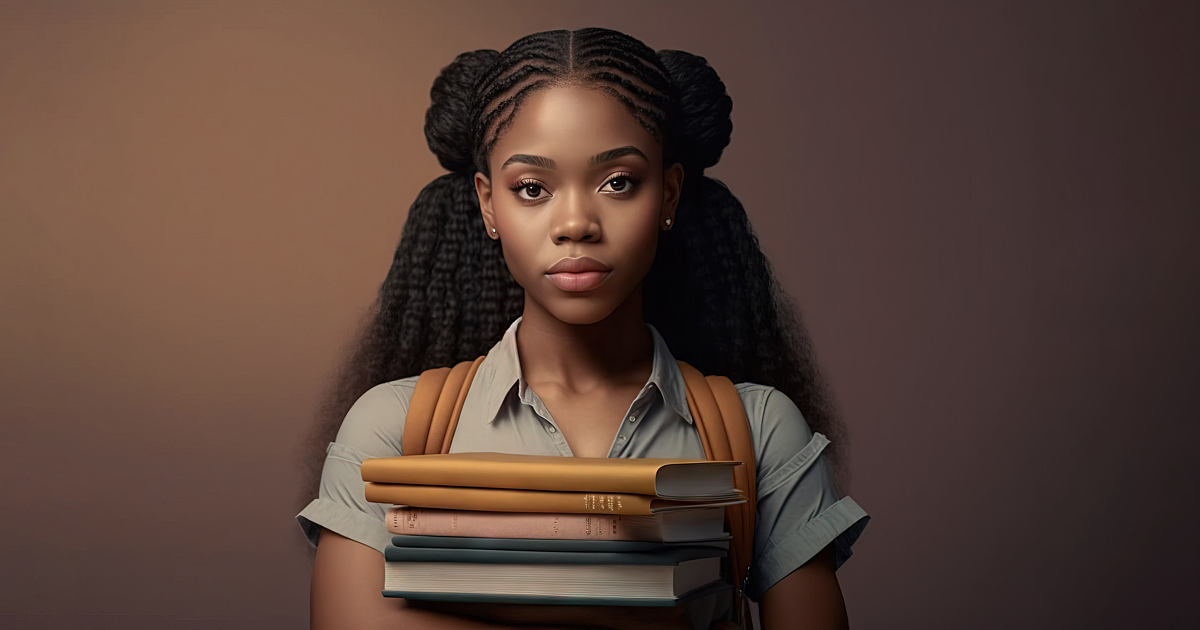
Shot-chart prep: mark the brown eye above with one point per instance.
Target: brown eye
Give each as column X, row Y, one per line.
column 621, row 183
column 529, row 190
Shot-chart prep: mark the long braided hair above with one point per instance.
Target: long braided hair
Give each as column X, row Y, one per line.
column 711, row 293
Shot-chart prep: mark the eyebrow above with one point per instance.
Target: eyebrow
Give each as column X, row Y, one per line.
column 599, row 158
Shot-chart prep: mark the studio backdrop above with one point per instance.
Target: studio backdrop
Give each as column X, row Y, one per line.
column 985, row 212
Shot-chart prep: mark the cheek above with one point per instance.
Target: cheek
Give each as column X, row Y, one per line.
column 519, row 241
column 638, row 238
column 521, row 264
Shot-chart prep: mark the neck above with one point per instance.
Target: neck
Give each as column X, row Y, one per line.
column 580, row 357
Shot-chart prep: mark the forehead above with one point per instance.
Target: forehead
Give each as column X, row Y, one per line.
column 570, row 124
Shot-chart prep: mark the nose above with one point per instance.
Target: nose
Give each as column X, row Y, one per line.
column 575, row 219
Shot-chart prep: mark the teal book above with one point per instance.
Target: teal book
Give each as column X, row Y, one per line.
column 660, row 557
column 662, row 577
column 563, row 600
column 551, row 544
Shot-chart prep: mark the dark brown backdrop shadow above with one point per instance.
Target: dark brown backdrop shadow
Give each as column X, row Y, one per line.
column 987, row 214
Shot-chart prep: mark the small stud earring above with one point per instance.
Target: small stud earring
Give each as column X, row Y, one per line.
column 493, row 230
column 668, row 221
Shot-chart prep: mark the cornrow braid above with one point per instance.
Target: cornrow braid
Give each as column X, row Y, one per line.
column 711, row 292
column 619, row 65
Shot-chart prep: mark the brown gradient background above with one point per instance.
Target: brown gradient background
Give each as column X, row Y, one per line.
column 988, row 215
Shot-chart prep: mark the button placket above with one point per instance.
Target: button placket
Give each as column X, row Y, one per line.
column 633, row 417
column 531, row 400
column 636, row 416
column 542, row 412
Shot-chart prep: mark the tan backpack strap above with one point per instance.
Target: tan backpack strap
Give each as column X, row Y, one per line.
column 737, row 429
column 445, row 407
column 700, row 394
column 472, row 367
column 433, row 410
column 420, row 410
column 694, row 383
column 707, row 413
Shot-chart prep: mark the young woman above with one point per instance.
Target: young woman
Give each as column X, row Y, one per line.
column 578, row 244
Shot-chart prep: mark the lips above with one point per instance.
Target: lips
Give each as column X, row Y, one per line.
column 578, row 274
column 577, row 265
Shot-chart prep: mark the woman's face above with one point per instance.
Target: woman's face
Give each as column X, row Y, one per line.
column 575, row 175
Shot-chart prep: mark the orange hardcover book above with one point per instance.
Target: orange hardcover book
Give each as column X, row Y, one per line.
column 685, row 479
column 508, row 500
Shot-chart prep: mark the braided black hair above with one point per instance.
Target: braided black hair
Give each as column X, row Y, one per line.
column 711, row 293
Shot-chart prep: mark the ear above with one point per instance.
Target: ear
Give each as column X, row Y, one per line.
column 483, row 188
column 672, row 189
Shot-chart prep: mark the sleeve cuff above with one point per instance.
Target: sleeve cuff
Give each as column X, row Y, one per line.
column 841, row 524
column 355, row 525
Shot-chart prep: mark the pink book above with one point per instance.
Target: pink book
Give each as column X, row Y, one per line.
column 698, row 524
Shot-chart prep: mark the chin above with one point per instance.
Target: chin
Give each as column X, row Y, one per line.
column 579, row 311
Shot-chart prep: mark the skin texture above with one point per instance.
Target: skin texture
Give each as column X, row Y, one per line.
column 585, row 353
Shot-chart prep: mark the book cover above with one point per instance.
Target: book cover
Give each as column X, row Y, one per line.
column 534, row 544
column 661, row 477
column 667, row 556
column 704, row 591
column 697, row 524
column 507, row 500
column 656, row 578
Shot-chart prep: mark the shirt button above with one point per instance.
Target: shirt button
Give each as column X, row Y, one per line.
column 633, row 418
column 622, row 438
column 553, row 430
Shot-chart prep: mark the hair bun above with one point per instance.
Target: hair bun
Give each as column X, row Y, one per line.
column 704, row 125
column 448, row 124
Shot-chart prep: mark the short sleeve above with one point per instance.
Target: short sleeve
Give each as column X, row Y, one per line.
column 374, row 427
column 799, row 511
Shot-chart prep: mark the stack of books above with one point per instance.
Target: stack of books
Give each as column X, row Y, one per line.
column 490, row 527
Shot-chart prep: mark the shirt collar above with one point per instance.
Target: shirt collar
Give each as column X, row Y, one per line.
column 501, row 369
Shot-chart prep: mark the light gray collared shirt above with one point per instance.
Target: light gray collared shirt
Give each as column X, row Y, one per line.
column 798, row 512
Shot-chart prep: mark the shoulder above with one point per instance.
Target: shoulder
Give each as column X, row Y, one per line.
column 773, row 415
column 777, row 427
column 374, row 425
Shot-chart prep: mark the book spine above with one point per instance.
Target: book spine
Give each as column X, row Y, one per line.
column 503, row 500
column 431, row 522
column 392, row 553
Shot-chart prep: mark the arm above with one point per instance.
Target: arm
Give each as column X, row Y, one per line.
column 809, row 597
column 347, row 580
column 347, row 574
column 799, row 515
